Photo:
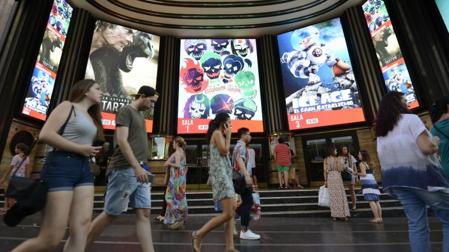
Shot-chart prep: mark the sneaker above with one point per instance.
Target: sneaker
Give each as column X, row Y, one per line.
column 249, row 235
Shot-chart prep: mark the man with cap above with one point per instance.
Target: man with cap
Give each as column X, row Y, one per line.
column 127, row 179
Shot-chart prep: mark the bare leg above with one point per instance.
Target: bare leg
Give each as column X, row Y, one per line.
column 56, row 215
column 143, row 227
column 373, row 207
column 80, row 217
column 228, row 206
column 229, row 234
column 98, row 225
column 280, row 179
column 353, row 198
column 286, row 178
column 379, row 208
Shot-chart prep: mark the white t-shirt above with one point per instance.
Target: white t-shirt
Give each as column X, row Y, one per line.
column 402, row 161
column 16, row 160
column 251, row 158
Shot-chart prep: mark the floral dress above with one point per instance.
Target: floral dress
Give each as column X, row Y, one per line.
column 175, row 195
column 220, row 172
column 337, row 195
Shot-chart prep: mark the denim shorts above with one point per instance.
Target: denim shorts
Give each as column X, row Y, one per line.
column 124, row 189
column 63, row 171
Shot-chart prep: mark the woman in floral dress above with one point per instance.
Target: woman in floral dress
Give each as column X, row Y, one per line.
column 175, row 195
column 337, row 195
column 220, row 172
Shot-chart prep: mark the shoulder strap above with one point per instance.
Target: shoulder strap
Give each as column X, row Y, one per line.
column 61, row 130
column 21, row 162
column 442, row 133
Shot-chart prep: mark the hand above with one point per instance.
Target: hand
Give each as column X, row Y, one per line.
column 141, row 174
column 228, row 131
column 89, row 150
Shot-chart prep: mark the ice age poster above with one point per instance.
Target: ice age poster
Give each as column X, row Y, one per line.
column 319, row 84
column 218, row 75
column 122, row 60
column 41, row 85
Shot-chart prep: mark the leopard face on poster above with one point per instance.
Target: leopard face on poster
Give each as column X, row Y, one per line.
column 218, row 75
column 122, row 60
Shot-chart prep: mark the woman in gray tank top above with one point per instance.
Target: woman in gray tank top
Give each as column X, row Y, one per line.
column 71, row 130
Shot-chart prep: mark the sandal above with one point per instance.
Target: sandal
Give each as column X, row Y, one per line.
column 195, row 238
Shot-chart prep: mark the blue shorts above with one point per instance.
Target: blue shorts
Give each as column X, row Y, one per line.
column 64, row 171
column 124, row 189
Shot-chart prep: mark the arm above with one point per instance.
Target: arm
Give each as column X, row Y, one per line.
column 169, row 160
column 177, row 161
column 122, row 141
column 49, row 133
column 223, row 144
column 362, row 172
column 325, row 171
column 425, row 144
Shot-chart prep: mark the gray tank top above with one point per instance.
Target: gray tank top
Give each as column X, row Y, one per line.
column 79, row 128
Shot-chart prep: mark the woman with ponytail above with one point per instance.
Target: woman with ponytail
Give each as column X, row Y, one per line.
column 440, row 119
column 220, row 171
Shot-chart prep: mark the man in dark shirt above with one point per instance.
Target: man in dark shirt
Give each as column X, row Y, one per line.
column 128, row 181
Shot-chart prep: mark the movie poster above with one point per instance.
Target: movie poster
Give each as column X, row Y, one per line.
column 122, row 60
column 443, row 7
column 388, row 51
column 319, row 84
column 42, row 82
column 218, row 75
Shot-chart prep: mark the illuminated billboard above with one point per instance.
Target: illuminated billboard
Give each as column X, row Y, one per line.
column 319, row 84
column 218, row 75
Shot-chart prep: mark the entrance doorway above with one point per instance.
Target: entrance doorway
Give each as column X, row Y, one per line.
column 315, row 150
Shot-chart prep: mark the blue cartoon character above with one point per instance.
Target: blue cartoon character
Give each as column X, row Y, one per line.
column 222, row 103
column 232, row 64
column 211, row 64
column 197, row 106
column 311, row 55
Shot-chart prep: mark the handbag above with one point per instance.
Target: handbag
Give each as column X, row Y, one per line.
column 323, row 197
column 19, row 186
column 346, row 175
column 239, row 181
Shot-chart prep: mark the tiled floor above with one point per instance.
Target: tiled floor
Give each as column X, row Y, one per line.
column 278, row 235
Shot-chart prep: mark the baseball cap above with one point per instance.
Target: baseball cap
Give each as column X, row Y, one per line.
column 147, row 91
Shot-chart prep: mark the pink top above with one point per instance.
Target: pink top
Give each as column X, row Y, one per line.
column 283, row 155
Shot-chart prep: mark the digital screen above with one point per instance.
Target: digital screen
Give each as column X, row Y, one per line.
column 319, row 84
column 388, row 51
column 218, row 75
column 40, row 88
column 122, row 60
column 443, row 6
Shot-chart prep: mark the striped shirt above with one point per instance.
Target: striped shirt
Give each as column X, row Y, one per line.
column 283, row 155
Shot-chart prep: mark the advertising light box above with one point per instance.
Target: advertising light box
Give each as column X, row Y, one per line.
column 319, row 84
column 122, row 60
column 42, row 82
column 391, row 61
column 218, row 75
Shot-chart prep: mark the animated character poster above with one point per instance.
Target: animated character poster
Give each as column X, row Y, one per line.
column 50, row 52
column 388, row 51
column 122, row 60
column 218, row 75
column 319, row 84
